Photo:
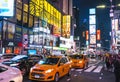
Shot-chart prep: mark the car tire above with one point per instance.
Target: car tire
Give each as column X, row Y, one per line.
column 56, row 78
column 69, row 73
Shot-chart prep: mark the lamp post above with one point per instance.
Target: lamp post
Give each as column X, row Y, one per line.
column 111, row 14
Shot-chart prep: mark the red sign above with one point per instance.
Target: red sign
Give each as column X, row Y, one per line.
column 87, row 36
column 98, row 34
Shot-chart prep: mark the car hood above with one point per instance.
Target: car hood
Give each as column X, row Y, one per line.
column 44, row 67
column 9, row 74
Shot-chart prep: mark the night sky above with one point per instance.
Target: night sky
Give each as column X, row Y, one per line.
column 102, row 16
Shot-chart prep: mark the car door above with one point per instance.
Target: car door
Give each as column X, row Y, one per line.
column 61, row 67
column 66, row 65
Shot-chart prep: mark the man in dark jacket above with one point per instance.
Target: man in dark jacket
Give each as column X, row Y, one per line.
column 116, row 64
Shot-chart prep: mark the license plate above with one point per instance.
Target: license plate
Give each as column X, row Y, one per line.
column 37, row 76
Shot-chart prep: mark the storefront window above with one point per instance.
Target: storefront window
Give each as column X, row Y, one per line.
column 4, row 29
column 30, row 21
column 25, row 7
column 18, row 16
column 25, row 18
column 10, row 31
column 18, row 34
column 19, row 4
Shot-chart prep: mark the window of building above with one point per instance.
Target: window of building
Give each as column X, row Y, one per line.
column 30, row 21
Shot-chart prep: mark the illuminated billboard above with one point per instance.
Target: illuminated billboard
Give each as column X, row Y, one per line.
column 92, row 39
column 118, row 38
column 92, row 29
column 87, row 35
column 98, row 34
column 66, row 26
column 92, row 11
column 6, row 8
column 92, row 19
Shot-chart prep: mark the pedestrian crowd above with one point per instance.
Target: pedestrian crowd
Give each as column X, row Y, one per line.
column 112, row 63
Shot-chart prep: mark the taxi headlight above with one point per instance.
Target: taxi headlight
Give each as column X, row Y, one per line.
column 71, row 61
column 80, row 61
column 49, row 71
column 31, row 69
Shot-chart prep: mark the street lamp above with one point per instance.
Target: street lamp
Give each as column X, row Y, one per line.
column 111, row 13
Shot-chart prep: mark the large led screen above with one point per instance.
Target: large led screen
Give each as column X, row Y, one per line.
column 32, row 52
column 92, row 29
column 92, row 19
column 92, row 11
column 6, row 8
column 92, row 39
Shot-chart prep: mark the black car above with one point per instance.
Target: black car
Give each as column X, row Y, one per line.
column 23, row 62
column 8, row 56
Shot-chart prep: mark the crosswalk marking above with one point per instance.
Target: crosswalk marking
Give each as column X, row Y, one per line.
column 79, row 70
column 94, row 68
column 98, row 69
column 89, row 69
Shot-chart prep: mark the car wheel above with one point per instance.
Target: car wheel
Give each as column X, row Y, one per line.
column 86, row 64
column 56, row 78
column 69, row 72
column 23, row 71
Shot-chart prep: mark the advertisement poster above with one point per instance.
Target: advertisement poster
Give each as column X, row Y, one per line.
column 6, row 7
column 92, row 29
column 92, row 19
column 66, row 26
column 11, row 30
column 92, row 39
column 4, row 29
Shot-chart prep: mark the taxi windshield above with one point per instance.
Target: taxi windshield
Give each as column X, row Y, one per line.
column 49, row 61
column 76, row 56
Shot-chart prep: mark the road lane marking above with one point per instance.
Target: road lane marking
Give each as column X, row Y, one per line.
column 79, row 70
column 75, row 75
column 98, row 69
column 89, row 69
column 72, row 69
column 68, row 79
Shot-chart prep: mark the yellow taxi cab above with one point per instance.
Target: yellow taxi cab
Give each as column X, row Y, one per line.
column 78, row 61
column 50, row 69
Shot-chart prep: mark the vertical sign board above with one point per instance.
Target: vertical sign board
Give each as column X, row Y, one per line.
column 6, row 8
column 118, row 38
column 98, row 34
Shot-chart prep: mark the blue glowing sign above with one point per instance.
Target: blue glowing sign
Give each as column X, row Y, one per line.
column 32, row 52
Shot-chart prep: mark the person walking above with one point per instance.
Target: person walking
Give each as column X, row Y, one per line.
column 116, row 64
column 107, row 61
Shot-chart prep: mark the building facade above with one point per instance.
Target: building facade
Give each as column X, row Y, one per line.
column 36, row 24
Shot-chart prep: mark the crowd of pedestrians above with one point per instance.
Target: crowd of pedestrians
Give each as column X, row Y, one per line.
column 112, row 62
